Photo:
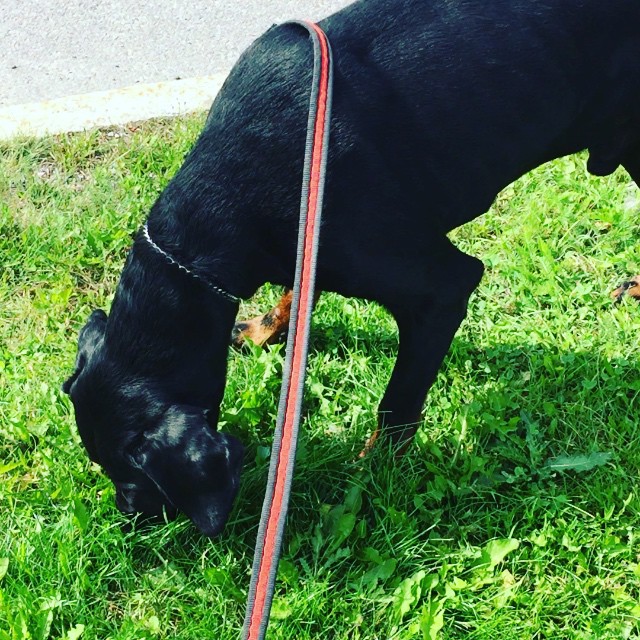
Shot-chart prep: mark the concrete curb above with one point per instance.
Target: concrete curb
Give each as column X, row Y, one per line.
column 106, row 108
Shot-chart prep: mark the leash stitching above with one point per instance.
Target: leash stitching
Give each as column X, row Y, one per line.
column 171, row 260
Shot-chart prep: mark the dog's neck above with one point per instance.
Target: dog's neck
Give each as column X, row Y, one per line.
column 188, row 270
column 169, row 330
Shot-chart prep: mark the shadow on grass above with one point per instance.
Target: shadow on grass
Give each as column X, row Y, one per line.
column 494, row 420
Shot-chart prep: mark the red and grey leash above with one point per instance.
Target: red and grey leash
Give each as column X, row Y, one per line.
column 274, row 509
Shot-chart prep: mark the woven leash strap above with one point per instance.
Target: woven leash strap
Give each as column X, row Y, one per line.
column 274, row 509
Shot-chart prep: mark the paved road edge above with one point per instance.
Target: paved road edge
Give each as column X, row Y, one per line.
column 107, row 108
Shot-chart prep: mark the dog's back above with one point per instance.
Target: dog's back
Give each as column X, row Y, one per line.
column 425, row 91
column 487, row 90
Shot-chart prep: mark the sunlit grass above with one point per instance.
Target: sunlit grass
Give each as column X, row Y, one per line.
column 515, row 515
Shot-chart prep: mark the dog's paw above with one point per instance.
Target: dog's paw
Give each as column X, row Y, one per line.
column 630, row 287
column 267, row 329
column 238, row 334
column 261, row 331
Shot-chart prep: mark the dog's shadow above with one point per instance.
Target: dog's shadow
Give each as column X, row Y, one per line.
column 496, row 419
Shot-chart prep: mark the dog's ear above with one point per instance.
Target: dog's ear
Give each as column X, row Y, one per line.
column 197, row 469
column 89, row 338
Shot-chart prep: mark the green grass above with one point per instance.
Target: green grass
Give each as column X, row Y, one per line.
column 515, row 516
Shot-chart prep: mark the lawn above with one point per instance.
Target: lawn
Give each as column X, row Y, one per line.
column 516, row 514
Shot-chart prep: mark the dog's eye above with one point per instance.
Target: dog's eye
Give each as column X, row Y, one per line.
column 132, row 450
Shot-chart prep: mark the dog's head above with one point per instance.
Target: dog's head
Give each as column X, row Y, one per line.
column 161, row 457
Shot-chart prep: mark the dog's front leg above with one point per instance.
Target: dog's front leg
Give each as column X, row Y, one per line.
column 426, row 330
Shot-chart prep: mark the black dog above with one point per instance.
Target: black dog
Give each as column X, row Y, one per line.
column 438, row 105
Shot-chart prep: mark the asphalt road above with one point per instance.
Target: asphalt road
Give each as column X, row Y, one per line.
column 65, row 47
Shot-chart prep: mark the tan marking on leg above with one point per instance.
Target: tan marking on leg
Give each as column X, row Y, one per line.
column 368, row 446
column 399, row 437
